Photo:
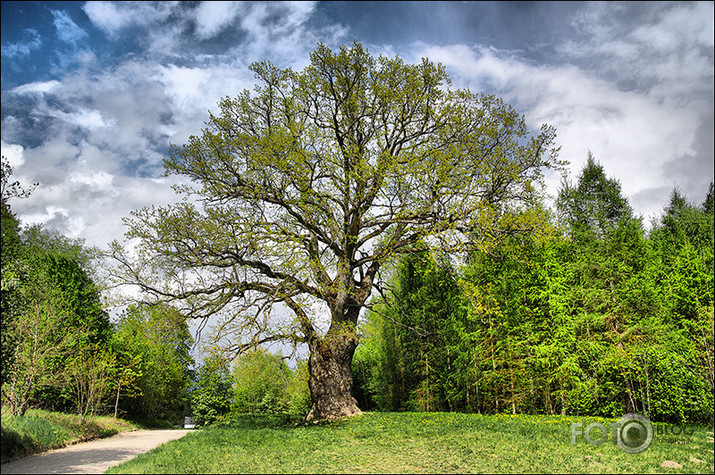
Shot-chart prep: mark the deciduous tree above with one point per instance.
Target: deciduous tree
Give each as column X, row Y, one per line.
column 42, row 343
column 304, row 188
column 153, row 345
column 10, row 248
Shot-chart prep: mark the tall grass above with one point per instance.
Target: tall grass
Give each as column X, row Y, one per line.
column 40, row 430
column 415, row 442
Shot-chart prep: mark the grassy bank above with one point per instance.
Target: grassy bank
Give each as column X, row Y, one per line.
column 38, row 431
column 417, row 442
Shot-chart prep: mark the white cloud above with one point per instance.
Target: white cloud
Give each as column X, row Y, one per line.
column 634, row 134
column 187, row 87
column 671, row 45
column 48, row 213
column 101, row 181
column 21, row 49
column 685, row 24
column 276, row 30
column 81, row 194
column 88, row 119
column 91, row 179
column 13, row 153
column 112, row 17
column 67, row 30
column 192, row 91
column 280, row 31
column 37, row 87
column 212, row 17
column 106, row 16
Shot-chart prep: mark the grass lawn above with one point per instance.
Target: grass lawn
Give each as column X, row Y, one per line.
column 417, row 442
column 38, row 431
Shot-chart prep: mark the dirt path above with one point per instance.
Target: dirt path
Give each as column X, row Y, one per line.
column 95, row 456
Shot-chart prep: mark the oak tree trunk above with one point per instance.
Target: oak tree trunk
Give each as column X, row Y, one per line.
column 331, row 378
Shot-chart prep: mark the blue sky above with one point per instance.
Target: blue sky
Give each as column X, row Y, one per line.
column 93, row 93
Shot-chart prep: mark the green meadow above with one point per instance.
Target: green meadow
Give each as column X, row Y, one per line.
column 419, row 442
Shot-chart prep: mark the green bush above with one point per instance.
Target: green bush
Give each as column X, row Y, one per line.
column 260, row 383
column 298, row 390
column 678, row 394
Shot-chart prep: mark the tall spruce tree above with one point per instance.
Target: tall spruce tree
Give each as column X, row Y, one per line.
column 595, row 205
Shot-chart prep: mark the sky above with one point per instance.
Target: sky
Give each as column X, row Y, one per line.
column 94, row 93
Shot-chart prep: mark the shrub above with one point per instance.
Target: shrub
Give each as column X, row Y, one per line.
column 211, row 396
column 260, row 383
column 298, row 390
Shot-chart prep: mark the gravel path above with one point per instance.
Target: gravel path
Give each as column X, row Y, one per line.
column 95, row 456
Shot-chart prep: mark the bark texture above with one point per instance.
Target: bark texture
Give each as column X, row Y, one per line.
column 331, row 378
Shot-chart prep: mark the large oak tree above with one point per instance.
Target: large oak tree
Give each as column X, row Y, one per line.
column 304, row 188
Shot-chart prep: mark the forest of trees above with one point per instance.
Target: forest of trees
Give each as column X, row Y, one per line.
column 595, row 316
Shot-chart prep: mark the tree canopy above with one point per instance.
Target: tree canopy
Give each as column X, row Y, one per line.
column 304, row 188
